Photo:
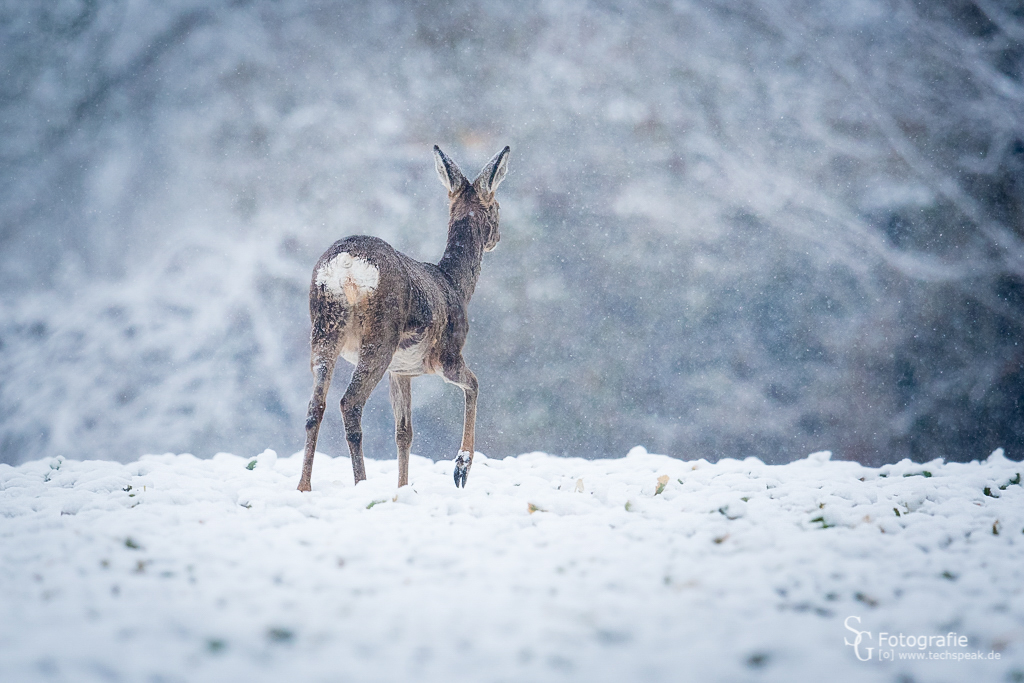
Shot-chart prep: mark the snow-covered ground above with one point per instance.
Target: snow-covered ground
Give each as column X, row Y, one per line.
column 643, row 568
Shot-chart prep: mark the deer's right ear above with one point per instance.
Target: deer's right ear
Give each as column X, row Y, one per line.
column 494, row 172
column 447, row 171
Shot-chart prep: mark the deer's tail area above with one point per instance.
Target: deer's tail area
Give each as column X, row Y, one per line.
column 347, row 276
column 340, row 283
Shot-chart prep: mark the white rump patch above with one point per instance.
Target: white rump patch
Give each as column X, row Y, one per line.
column 349, row 276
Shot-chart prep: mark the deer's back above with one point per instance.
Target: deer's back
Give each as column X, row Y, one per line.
column 363, row 289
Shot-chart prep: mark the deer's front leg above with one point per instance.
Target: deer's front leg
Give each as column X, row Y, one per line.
column 462, row 376
column 401, row 404
column 323, row 368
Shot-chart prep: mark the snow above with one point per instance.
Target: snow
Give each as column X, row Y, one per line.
column 724, row 219
column 543, row 568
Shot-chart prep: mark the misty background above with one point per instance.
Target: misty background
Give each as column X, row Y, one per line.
column 730, row 228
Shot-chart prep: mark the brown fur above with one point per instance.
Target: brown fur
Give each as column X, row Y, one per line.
column 413, row 323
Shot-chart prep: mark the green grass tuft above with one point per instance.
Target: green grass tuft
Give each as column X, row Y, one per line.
column 824, row 524
column 662, row 483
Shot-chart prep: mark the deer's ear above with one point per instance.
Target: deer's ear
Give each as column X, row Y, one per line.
column 493, row 173
column 449, row 173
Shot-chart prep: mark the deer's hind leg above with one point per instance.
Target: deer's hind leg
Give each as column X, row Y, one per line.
column 458, row 374
column 401, row 404
column 323, row 369
column 374, row 357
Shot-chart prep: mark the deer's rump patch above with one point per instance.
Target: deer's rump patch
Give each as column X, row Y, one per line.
column 349, row 276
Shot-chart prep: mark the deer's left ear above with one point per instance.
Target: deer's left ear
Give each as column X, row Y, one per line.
column 493, row 173
column 448, row 171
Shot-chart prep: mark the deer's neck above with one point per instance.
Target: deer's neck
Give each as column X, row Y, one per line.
column 463, row 254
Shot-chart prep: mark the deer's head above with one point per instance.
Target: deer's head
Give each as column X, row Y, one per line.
column 474, row 200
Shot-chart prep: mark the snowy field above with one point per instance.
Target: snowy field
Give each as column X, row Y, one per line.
column 643, row 568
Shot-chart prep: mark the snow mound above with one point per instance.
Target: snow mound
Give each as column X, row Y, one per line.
column 646, row 568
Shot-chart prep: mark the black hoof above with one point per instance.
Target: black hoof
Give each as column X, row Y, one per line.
column 461, row 469
column 460, row 477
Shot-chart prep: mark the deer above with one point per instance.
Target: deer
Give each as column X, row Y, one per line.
column 385, row 312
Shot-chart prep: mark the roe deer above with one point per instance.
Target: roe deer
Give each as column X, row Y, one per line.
column 385, row 312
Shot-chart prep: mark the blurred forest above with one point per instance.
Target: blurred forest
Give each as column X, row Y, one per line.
column 731, row 228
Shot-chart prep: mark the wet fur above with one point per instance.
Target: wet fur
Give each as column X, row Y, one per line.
column 413, row 322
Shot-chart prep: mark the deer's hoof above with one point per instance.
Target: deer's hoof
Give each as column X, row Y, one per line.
column 460, row 476
column 461, row 469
